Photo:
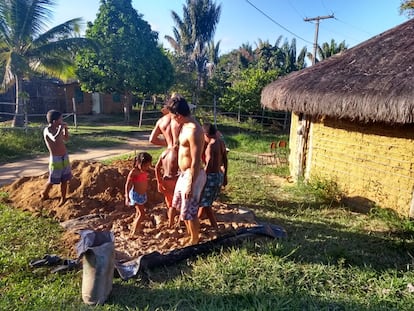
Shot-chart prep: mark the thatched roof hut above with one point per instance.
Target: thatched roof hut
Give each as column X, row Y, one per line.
column 353, row 119
column 373, row 81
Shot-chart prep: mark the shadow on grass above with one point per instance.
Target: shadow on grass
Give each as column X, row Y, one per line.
column 325, row 241
column 131, row 296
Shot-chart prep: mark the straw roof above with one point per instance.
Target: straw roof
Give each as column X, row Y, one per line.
column 373, row 81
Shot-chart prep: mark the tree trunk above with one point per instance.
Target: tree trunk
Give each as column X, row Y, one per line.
column 18, row 119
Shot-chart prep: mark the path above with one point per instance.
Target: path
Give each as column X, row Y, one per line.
column 9, row 172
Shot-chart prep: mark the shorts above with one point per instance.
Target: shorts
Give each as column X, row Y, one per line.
column 59, row 169
column 188, row 207
column 211, row 189
column 136, row 198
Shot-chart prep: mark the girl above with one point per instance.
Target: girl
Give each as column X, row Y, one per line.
column 136, row 188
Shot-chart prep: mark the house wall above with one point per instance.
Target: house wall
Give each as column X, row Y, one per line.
column 111, row 103
column 375, row 162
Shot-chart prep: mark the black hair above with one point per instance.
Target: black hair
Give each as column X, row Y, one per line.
column 178, row 105
column 53, row 115
column 142, row 158
column 209, row 129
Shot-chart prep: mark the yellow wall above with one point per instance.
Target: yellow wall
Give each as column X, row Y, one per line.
column 375, row 162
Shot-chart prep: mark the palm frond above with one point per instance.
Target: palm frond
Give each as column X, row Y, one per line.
column 64, row 30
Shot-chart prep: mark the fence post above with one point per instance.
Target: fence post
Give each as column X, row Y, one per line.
column 285, row 120
column 75, row 121
column 141, row 113
column 215, row 111
column 26, row 118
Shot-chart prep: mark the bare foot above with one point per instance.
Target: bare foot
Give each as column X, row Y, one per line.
column 185, row 241
column 44, row 197
column 62, row 201
column 193, row 242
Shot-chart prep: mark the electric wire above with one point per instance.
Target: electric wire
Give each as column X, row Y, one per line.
column 278, row 24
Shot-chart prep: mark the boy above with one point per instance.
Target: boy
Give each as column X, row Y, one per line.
column 215, row 156
column 55, row 135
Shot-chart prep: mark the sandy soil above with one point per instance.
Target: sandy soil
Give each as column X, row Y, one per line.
column 95, row 201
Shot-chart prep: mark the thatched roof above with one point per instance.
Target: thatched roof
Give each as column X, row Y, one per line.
column 373, row 81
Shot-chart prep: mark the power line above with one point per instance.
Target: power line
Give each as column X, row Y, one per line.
column 281, row 26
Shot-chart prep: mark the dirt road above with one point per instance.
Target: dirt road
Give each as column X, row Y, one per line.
column 39, row 165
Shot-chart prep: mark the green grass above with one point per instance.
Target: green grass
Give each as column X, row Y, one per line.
column 334, row 258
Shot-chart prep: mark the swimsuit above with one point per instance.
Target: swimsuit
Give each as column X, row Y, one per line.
column 142, row 176
column 211, row 189
column 188, row 207
column 137, row 198
column 59, row 169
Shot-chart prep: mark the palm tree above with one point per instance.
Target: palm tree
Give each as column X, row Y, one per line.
column 213, row 50
column 193, row 32
column 327, row 50
column 26, row 50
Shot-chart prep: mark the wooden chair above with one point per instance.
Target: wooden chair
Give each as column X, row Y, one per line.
column 268, row 157
column 277, row 154
column 282, row 152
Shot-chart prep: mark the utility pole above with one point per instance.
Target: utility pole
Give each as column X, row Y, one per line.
column 315, row 43
column 304, row 120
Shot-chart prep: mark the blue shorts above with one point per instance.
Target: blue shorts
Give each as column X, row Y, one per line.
column 211, row 189
column 136, row 198
column 59, row 169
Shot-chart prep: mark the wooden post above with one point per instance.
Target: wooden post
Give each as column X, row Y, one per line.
column 75, row 121
column 141, row 113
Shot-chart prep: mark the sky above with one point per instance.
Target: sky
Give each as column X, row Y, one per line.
column 252, row 21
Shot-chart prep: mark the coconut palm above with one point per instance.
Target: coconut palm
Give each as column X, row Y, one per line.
column 25, row 49
column 327, row 50
column 193, row 32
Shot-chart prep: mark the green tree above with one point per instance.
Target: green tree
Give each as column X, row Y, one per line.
column 26, row 48
column 327, row 50
column 407, row 7
column 129, row 60
column 244, row 93
column 192, row 33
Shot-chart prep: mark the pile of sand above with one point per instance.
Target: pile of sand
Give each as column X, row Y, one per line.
column 95, row 201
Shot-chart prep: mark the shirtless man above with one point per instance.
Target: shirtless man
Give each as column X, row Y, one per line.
column 216, row 162
column 192, row 178
column 166, row 169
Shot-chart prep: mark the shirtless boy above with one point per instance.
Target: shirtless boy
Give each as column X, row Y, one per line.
column 166, row 169
column 216, row 169
column 191, row 181
column 55, row 135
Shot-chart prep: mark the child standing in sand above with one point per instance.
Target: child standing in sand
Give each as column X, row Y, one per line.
column 55, row 136
column 136, row 189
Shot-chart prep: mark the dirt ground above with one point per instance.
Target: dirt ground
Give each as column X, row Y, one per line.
column 95, row 201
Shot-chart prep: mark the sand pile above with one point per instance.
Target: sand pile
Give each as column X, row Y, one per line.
column 95, row 201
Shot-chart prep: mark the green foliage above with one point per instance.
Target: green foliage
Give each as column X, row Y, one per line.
column 318, row 189
column 244, row 94
column 15, row 144
column 26, row 49
column 129, row 60
column 192, row 34
column 407, row 7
